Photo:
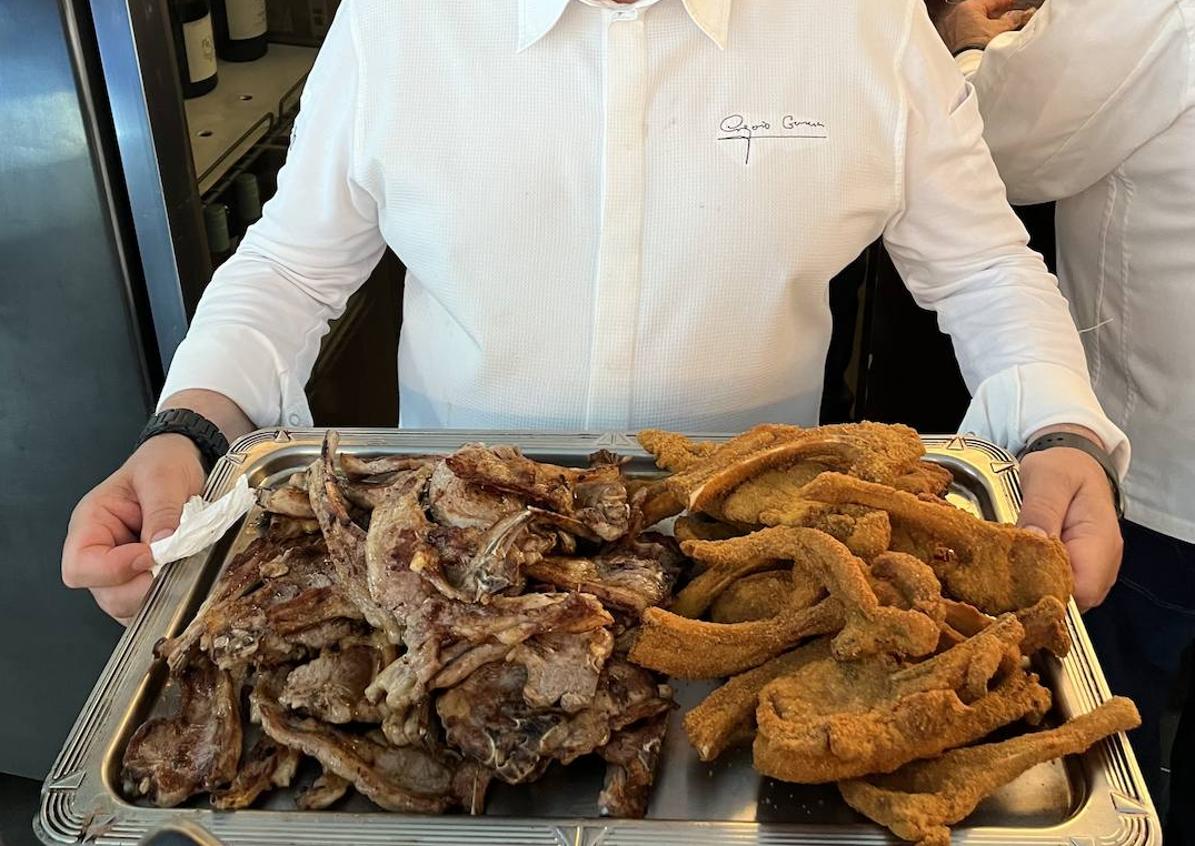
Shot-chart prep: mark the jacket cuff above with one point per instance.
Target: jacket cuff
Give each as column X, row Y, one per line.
column 1011, row 406
column 243, row 365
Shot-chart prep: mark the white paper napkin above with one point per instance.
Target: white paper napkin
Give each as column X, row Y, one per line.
column 203, row 523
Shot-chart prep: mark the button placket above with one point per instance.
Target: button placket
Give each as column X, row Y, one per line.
column 619, row 264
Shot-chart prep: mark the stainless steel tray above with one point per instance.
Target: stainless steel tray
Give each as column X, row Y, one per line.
column 1095, row 798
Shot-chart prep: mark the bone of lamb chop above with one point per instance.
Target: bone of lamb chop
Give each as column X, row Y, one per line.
column 197, row 749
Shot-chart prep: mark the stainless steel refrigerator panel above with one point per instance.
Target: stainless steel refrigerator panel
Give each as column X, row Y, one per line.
column 71, row 371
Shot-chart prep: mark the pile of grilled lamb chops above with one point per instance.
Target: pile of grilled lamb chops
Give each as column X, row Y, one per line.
column 421, row 625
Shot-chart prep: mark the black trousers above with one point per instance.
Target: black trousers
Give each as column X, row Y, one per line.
column 1144, row 635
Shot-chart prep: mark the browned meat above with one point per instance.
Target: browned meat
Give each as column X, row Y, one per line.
column 487, row 718
column 357, row 467
column 332, row 687
column 925, row 479
column 448, row 640
column 242, row 575
column 993, row 566
column 172, row 758
column 454, row 502
column 322, row 793
column 829, row 719
column 594, row 500
column 282, row 616
column 764, row 595
column 397, row 543
column 471, row 565
column 563, row 669
column 396, row 778
column 267, row 766
column 620, row 579
column 346, row 541
column 632, row 756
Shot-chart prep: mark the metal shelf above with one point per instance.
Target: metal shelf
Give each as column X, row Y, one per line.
column 249, row 99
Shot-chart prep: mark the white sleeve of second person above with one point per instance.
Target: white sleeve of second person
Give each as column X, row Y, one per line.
column 1073, row 94
column 963, row 253
column 257, row 330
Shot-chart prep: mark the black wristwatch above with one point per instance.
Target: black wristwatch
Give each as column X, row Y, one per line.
column 1073, row 441
column 206, row 436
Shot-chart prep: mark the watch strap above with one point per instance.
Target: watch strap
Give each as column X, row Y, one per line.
column 205, row 434
column 1071, row 440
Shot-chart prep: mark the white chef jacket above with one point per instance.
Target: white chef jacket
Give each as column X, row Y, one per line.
column 625, row 217
column 1093, row 105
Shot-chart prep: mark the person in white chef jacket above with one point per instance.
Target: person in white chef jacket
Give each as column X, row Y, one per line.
column 617, row 215
column 1092, row 105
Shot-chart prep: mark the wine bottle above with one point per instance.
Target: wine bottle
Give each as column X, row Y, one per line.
column 240, row 27
column 215, row 222
column 194, row 46
column 248, row 199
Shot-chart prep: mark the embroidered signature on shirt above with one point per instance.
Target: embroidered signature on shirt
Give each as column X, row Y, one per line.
column 738, row 128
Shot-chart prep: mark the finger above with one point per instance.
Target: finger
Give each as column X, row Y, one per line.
column 1093, row 541
column 161, row 492
column 101, row 548
column 1095, row 568
column 1047, row 497
column 123, row 601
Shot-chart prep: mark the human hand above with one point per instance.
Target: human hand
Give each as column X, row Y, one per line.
column 1067, row 496
column 107, row 542
column 973, row 23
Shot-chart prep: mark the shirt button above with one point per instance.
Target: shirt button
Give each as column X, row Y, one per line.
column 627, row 15
column 294, row 419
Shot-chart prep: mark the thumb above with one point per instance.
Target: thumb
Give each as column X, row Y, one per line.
column 1047, row 496
column 161, row 494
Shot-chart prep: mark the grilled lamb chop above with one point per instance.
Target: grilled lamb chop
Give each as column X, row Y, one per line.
column 267, row 765
column 396, row 778
column 590, row 502
column 563, row 669
column 293, row 608
column 332, row 687
column 346, row 540
column 619, row 579
column 454, row 502
column 448, row 640
column 242, row 575
column 632, row 756
column 172, row 758
column 487, row 718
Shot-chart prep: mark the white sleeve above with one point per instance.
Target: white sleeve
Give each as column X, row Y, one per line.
column 962, row 252
column 257, row 330
column 1083, row 85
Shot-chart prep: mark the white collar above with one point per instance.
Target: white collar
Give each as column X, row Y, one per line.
column 538, row 17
